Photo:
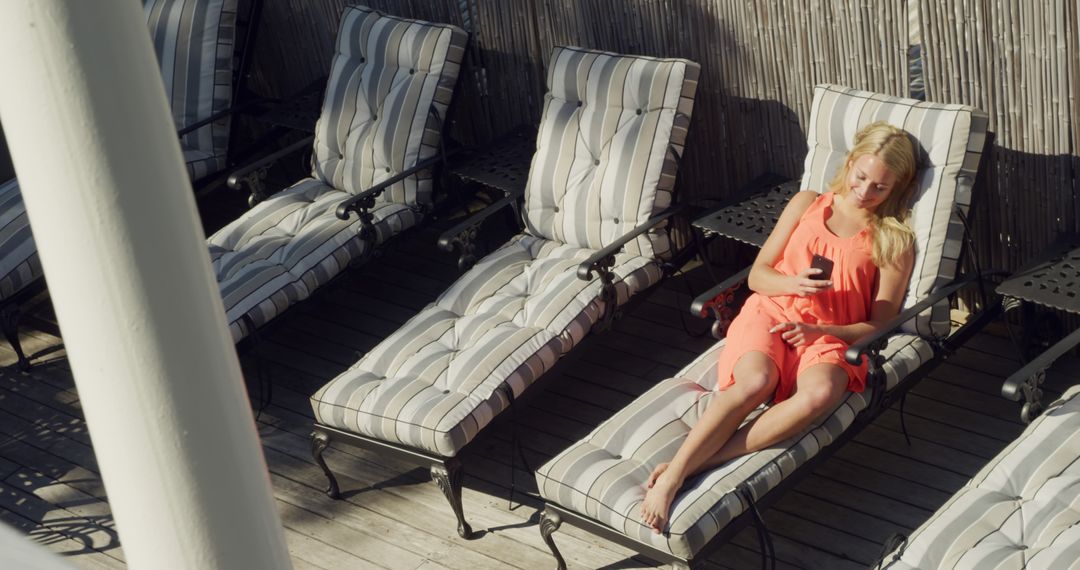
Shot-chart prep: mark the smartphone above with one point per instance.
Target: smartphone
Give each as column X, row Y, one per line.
column 824, row 264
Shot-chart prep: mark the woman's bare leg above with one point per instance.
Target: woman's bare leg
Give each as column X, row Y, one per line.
column 817, row 392
column 755, row 380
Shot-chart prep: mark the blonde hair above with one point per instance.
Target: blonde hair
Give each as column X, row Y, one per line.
column 888, row 226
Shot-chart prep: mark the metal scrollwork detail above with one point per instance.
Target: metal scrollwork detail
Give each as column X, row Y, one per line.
column 608, row 294
column 449, row 477
column 722, row 308
column 550, row 522
column 319, row 442
column 1032, row 391
column 363, row 211
column 466, row 244
column 256, row 183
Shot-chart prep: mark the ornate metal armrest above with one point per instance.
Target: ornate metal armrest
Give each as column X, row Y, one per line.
column 874, row 342
column 363, row 202
column 603, row 260
column 254, row 174
column 463, row 235
column 720, row 302
column 1026, row 382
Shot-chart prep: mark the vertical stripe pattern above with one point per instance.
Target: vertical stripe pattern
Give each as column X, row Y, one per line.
column 949, row 143
column 437, row 381
column 1022, row 510
column 19, row 263
column 603, row 475
column 284, row 248
column 195, row 41
column 391, row 81
column 605, row 161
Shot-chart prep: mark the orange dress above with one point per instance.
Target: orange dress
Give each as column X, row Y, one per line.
column 854, row 278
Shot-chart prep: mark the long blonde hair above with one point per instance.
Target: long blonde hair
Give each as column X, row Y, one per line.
column 892, row 236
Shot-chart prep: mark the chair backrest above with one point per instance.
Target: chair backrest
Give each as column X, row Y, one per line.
column 194, row 43
column 949, row 140
column 391, row 81
column 607, row 150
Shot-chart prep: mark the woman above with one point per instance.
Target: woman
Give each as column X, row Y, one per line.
column 789, row 339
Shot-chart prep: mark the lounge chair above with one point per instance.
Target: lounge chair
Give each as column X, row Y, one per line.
column 599, row 482
column 597, row 196
column 1022, row 510
column 194, row 41
column 376, row 140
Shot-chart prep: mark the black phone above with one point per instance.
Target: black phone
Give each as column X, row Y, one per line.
column 824, row 264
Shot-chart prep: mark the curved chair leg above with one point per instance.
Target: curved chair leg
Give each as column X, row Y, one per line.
column 550, row 522
column 9, row 321
column 319, row 442
column 448, row 477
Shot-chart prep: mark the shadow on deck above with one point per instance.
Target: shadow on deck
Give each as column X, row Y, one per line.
column 393, row 517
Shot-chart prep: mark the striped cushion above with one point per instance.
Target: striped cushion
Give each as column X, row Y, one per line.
column 387, row 75
column 605, row 153
column 19, row 263
column 603, row 476
column 438, row 380
column 281, row 250
column 194, row 43
column 950, row 138
column 201, row 163
column 278, row 253
column 1020, row 511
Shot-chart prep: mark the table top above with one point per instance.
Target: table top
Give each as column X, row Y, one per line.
column 299, row 112
column 751, row 220
column 1052, row 280
column 503, row 164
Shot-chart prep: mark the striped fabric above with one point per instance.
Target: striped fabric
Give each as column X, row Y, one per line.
column 289, row 245
column 606, row 151
column 950, row 141
column 194, row 43
column 280, row 251
column 1022, row 510
column 19, row 263
column 439, row 379
column 603, row 475
column 391, row 81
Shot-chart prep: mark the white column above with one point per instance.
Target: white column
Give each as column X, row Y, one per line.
column 114, row 218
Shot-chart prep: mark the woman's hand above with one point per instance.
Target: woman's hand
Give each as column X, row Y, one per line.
column 803, row 284
column 798, row 334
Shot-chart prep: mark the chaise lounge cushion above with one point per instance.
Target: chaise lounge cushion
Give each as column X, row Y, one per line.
column 386, row 76
column 19, row 263
column 950, row 142
column 1022, row 510
column 281, row 250
column 194, row 41
column 603, row 475
column 437, row 380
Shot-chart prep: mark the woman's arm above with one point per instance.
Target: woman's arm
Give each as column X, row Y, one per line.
column 892, row 283
column 766, row 280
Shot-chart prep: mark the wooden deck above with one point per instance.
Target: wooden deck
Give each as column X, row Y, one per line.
column 392, row 516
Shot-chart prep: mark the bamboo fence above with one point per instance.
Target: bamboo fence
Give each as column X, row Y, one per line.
column 1018, row 60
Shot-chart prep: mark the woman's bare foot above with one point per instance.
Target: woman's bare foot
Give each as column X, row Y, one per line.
column 655, row 473
column 657, row 504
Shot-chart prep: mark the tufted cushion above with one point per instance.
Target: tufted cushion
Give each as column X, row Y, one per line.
column 201, row 163
column 603, row 475
column 1022, row 510
column 950, row 140
column 605, row 152
column 438, row 380
column 281, row 250
column 387, row 76
column 286, row 247
column 19, row 263
column 194, row 41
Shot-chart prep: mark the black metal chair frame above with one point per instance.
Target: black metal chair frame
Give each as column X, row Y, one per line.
column 719, row 303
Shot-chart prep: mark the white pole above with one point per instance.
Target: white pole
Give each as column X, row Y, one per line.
column 113, row 214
